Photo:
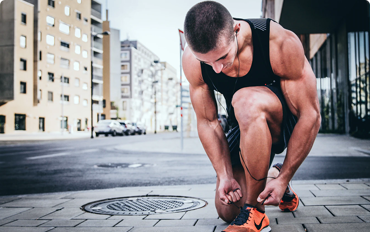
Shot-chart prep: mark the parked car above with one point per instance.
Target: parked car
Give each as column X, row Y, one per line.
column 129, row 128
column 109, row 127
column 139, row 128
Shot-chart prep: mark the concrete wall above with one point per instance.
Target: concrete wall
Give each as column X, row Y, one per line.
column 7, row 22
column 115, row 67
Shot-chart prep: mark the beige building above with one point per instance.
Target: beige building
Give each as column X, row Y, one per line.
column 45, row 65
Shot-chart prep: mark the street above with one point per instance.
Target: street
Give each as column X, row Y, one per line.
column 103, row 162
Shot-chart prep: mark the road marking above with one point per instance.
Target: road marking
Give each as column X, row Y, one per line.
column 60, row 154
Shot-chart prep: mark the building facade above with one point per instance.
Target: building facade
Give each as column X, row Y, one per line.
column 335, row 36
column 45, row 65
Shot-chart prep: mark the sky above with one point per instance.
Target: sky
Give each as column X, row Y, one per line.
column 155, row 23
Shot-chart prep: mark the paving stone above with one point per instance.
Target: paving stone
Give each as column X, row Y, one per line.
column 175, row 229
column 366, row 207
column 336, row 193
column 92, row 229
column 301, row 220
column 119, row 217
column 311, row 211
column 346, row 210
column 26, row 229
column 345, row 200
column 368, row 198
column 365, row 218
column 136, row 223
column 358, row 227
column 63, row 223
column 275, row 212
column 26, row 223
column 286, row 228
column 333, row 220
column 6, row 221
column 304, row 186
column 330, row 187
column 7, row 212
column 4, row 200
column 216, row 222
column 76, row 203
column 35, row 213
column 305, row 193
column 92, row 216
column 40, row 203
column 99, row 223
column 206, row 212
column 168, row 223
column 172, row 216
column 356, row 186
column 66, row 213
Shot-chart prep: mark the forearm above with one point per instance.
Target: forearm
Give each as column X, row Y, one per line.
column 300, row 144
column 215, row 145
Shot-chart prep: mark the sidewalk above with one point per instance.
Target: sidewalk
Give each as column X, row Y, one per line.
column 328, row 205
column 42, row 136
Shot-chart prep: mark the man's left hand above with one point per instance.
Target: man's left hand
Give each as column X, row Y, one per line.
column 272, row 193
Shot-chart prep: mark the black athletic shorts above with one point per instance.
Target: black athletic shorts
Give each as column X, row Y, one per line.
column 287, row 126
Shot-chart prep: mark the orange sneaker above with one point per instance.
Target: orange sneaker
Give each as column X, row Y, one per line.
column 250, row 219
column 290, row 200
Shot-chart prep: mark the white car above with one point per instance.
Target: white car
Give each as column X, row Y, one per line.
column 130, row 129
column 109, row 127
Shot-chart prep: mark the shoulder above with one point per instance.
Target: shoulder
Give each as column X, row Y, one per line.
column 192, row 68
column 286, row 52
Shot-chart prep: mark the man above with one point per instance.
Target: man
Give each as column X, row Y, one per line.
column 270, row 92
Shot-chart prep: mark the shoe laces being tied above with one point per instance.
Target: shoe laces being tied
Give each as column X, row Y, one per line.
column 243, row 217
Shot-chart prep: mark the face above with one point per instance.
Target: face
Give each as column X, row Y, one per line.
column 220, row 58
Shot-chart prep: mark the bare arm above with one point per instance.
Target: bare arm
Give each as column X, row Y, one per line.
column 298, row 84
column 209, row 129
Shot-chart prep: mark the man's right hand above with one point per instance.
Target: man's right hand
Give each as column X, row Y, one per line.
column 229, row 191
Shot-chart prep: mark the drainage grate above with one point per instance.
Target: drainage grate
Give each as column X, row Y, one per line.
column 144, row 205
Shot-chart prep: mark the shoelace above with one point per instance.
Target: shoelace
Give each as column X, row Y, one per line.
column 242, row 217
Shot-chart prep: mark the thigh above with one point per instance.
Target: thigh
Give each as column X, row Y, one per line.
column 255, row 101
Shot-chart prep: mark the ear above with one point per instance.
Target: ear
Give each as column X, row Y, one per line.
column 237, row 27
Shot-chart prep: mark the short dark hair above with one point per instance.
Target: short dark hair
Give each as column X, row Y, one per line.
column 204, row 24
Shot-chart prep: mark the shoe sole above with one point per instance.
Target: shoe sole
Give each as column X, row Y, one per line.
column 287, row 210
column 266, row 229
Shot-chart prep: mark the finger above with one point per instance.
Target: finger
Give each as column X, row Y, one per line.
column 224, row 200
column 236, row 196
column 271, row 201
column 263, row 195
column 233, row 197
column 239, row 192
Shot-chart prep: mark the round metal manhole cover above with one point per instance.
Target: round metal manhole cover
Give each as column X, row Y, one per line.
column 144, row 205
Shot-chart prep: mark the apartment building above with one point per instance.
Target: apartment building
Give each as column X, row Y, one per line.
column 45, row 65
column 335, row 37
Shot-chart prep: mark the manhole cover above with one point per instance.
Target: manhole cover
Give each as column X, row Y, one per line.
column 144, row 205
column 122, row 165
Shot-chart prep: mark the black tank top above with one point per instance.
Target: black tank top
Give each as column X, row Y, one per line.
column 260, row 73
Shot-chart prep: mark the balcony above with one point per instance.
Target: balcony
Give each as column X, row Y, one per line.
column 96, row 29
column 97, row 77
column 98, row 90
column 97, row 108
column 98, row 45
column 97, row 61
column 95, row 13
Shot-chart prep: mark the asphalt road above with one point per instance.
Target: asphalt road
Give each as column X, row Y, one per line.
column 84, row 164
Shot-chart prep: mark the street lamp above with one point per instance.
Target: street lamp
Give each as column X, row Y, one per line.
column 92, row 73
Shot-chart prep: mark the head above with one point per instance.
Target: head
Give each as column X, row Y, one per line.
column 211, row 34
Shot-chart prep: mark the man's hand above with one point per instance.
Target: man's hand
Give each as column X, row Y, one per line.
column 273, row 192
column 229, row 191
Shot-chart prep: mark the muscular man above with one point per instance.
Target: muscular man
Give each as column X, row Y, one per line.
column 270, row 92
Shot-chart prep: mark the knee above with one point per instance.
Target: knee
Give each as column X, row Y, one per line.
column 248, row 107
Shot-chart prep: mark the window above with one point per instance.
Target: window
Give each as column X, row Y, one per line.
column 64, row 98
column 50, row 58
column 50, row 40
column 40, row 55
column 64, row 123
column 63, row 27
column 78, row 32
column 50, row 96
column 23, row 18
column 104, row 103
column 64, row 79
column 86, row 20
column 78, row 15
column 76, row 99
column 39, row 95
column 20, row 122
column 84, row 37
column 51, row 3
column 125, row 55
column 64, row 46
column 76, row 66
column 84, row 102
column 66, row 10
column 77, row 49
column 125, row 90
column 77, row 82
column 85, row 68
column 39, row 74
column 84, row 86
column 79, row 1
column 51, row 76
column 125, row 67
column 23, row 64
column 50, row 21
column 125, row 79
column 39, row 36
column 22, row 41
column 64, row 63
column 84, row 54
column 23, row 87
column 124, row 105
